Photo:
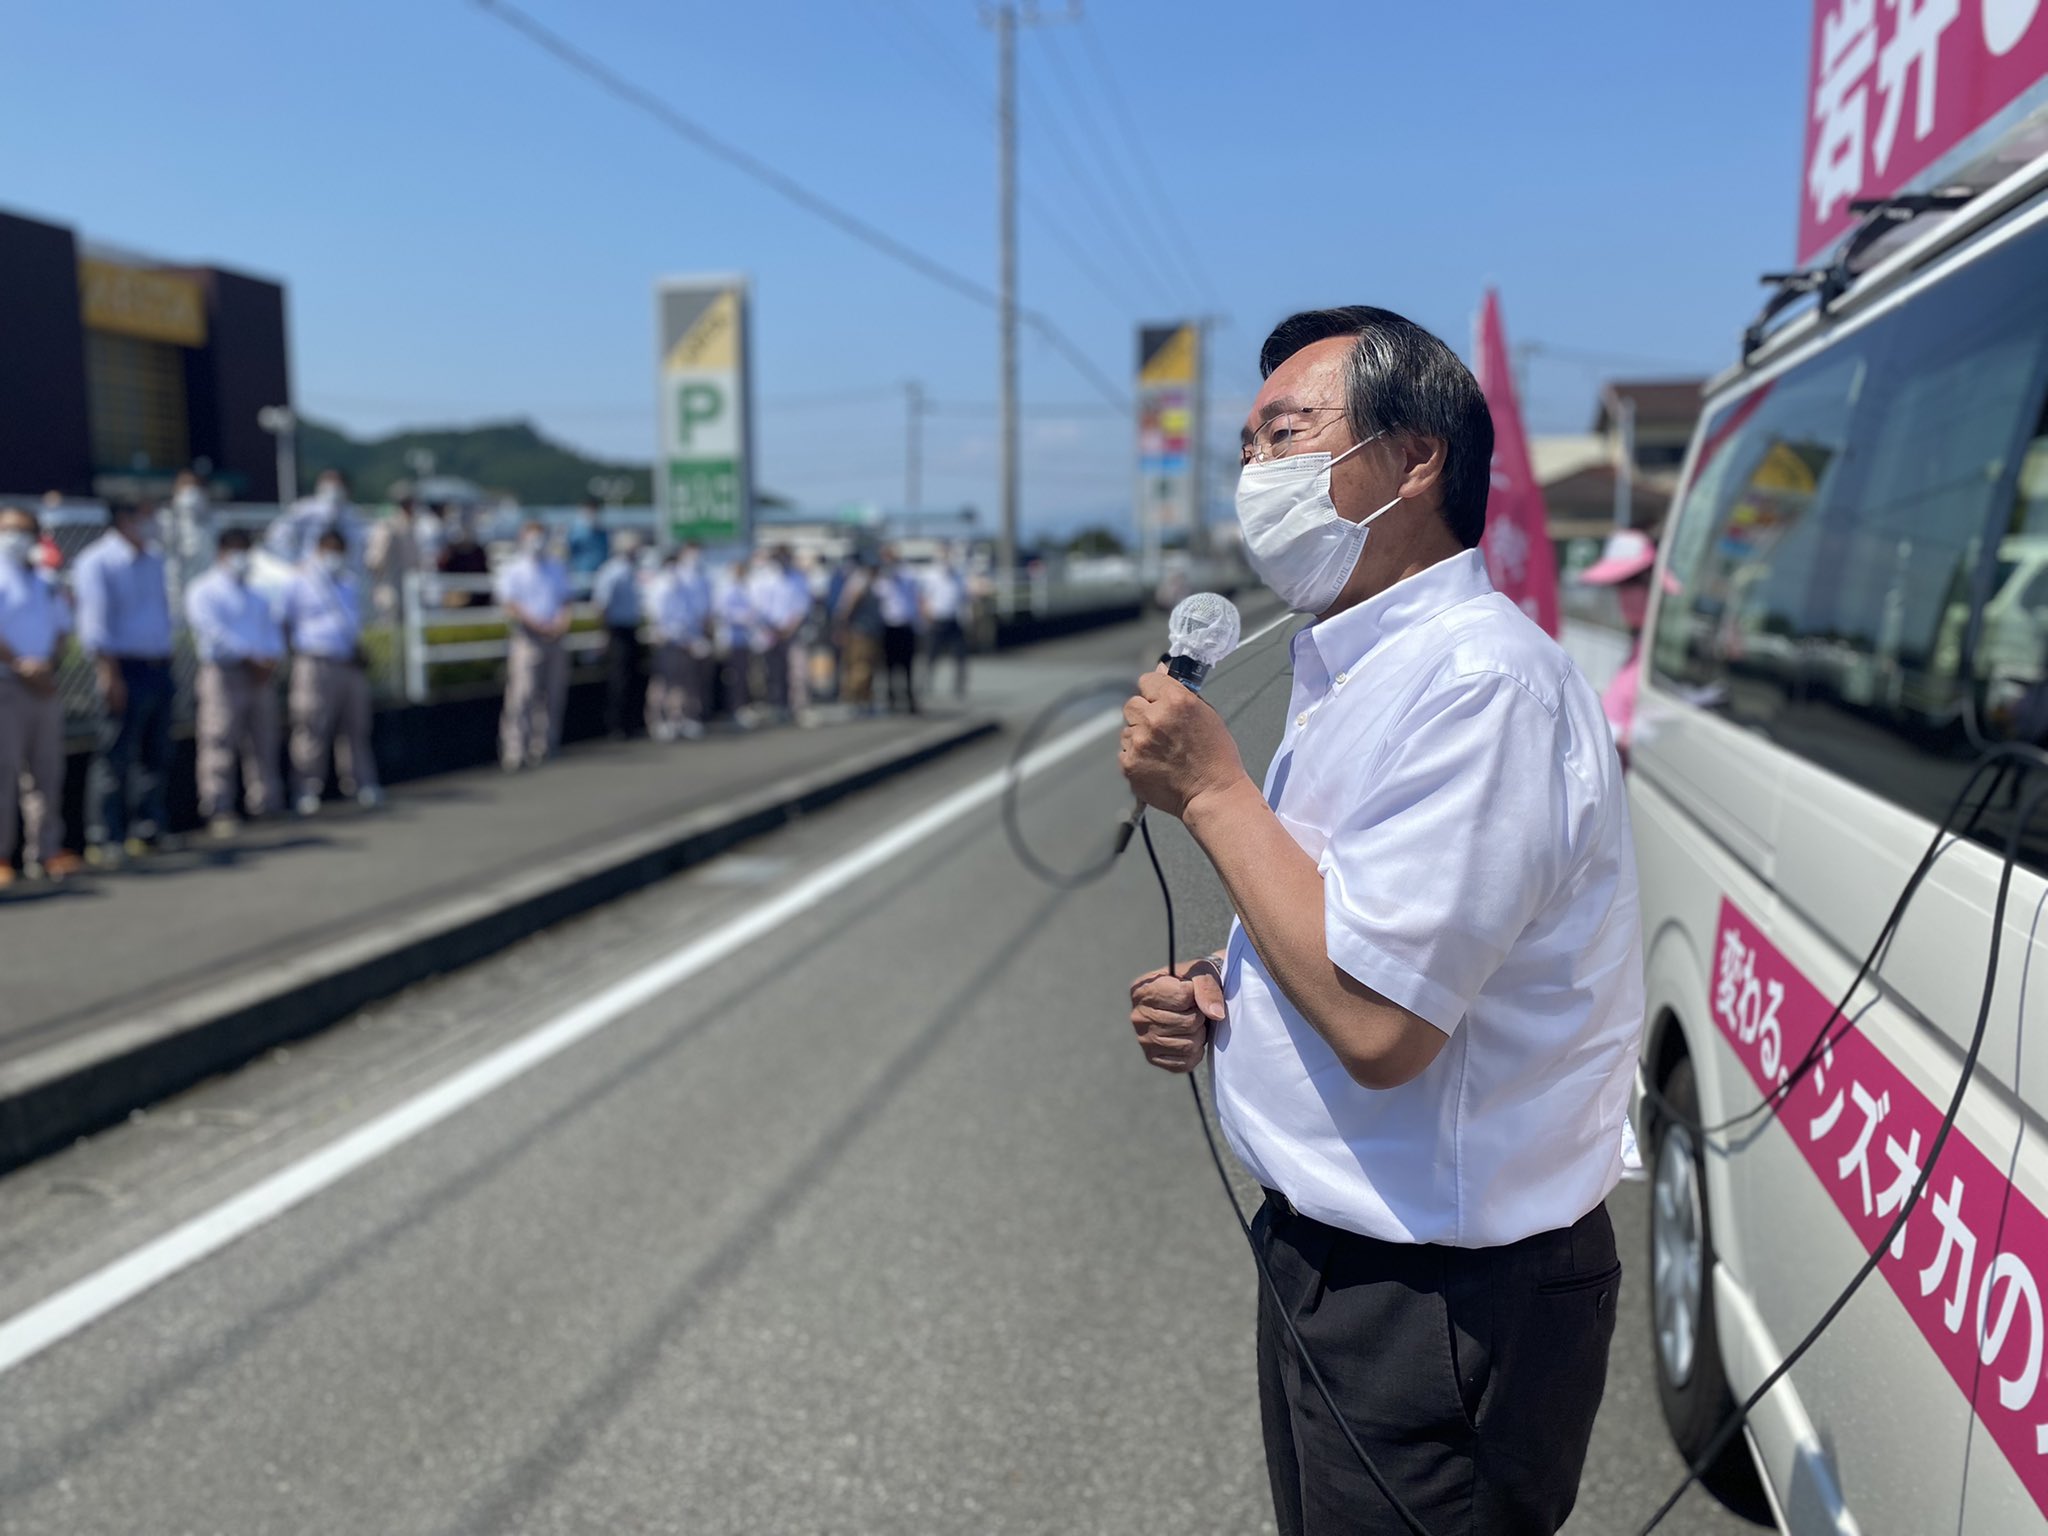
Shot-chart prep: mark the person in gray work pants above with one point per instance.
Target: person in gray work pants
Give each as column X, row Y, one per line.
column 330, row 688
column 533, row 589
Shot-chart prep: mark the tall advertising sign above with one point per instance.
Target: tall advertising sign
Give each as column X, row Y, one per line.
column 1902, row 94
column 1516, row 544
column 704, row 475
column 1169, row 430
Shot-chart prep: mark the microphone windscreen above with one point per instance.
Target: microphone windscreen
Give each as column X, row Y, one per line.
column 1203, row 626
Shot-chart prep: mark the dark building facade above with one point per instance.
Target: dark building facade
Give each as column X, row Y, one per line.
column 117, row 373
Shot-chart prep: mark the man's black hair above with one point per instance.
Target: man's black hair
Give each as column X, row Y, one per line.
column 233, row 538
column 1400, row 378
column 331, row 538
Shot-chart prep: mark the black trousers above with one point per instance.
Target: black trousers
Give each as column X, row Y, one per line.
column 1470, row 1375
column 899, row 655
column 622, row 686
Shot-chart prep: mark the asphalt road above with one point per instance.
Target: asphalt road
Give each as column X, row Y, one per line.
column 877, row 1224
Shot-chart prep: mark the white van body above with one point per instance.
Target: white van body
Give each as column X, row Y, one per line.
column 1857, row 540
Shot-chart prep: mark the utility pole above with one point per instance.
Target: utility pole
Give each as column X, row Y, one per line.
column 1004, row 20
column 1005, row 16
column 913, row 447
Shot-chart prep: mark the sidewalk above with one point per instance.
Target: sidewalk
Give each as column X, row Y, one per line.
column 123, row 988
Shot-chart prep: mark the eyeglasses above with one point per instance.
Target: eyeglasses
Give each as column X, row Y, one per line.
column 1280, row 435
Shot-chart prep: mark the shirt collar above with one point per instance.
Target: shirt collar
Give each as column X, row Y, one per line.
column 1345, row 639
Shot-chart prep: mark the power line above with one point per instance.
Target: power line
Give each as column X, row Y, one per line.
column 1113, row 215
column 1098, row 142
column 1044, row 218
column 1134, row 144
column 794, row 191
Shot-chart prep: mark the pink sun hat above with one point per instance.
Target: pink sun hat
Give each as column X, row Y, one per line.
column 1629, row 553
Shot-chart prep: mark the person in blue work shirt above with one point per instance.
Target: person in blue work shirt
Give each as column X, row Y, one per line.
column 533, row 589
column 739, row 633
column 616, row 596
column 897, row 589
column 34, row 621
column 322, row 614
column 293, row 538
column 589, row 544
column 124, row 622
column 680, row 599
column 236, row 633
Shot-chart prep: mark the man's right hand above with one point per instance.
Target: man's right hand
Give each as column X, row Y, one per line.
column 1174, row 1014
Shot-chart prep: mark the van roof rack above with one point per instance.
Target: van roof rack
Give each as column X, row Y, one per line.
column 1882, row 216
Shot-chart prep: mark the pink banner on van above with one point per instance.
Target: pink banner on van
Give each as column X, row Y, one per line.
column 1967, row 1262
column 1894, row 85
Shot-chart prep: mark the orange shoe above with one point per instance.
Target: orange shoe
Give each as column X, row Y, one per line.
column 7, row 876
column 63, row 865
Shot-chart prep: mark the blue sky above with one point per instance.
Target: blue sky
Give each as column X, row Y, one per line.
column 470, row 232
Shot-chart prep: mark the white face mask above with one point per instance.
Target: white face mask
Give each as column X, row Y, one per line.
column 333, row 561
column 533, row 543
column 237, row 562
column 1297, row 541
column 15, row 547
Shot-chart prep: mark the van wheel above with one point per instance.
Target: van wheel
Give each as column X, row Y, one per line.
column 1684, row 1340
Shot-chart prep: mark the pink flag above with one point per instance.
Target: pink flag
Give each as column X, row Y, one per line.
column 1517, row 542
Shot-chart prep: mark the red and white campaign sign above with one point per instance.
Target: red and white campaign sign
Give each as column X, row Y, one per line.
column 1969, row 1262
column 1516, row 544
column 1894, row 85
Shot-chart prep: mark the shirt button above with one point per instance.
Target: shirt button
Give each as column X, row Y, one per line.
column 1340, row 679
column 1302, row 718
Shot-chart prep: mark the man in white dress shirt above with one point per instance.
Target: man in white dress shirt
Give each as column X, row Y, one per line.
column 533, row 589
column 235, row 630
column 1425, row 1019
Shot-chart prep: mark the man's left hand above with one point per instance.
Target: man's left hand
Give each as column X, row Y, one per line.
column 1175, row 747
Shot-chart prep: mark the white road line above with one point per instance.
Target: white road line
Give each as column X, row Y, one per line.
column 78, row 1305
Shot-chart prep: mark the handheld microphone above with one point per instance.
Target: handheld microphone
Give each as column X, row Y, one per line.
column 1202, row 629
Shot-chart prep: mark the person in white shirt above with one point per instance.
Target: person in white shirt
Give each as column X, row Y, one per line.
column 533, row 589
column 737, row 628
column 294, row 536
column 679, row 599
column 1426, row 1018
column 394, row 553
column 235, row 630
column 321, row 612
column 781, row 601
column 945, row 614
column 897, row 589
column 34, row 623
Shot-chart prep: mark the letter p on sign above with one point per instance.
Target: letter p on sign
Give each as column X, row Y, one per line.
column 697, row 404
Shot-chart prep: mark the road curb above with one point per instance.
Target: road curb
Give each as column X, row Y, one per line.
column 50, row 1097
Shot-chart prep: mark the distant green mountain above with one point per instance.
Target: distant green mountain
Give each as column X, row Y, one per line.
column 505, row 458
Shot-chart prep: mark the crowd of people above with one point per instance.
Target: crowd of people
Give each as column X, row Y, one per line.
column 768, row 638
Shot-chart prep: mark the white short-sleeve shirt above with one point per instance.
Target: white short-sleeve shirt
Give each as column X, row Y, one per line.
column 1454, row 779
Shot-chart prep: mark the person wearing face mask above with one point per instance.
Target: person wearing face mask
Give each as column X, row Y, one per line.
column 124, row 622
column 34, row 620
column 679, row 600
column 294, row 536
column 321, row 610
column 236, row 634
column 616, row 594
column 589, row 544
column 533, row 589
column 1425, row 1021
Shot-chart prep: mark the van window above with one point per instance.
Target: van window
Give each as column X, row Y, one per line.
column 1864, row 550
